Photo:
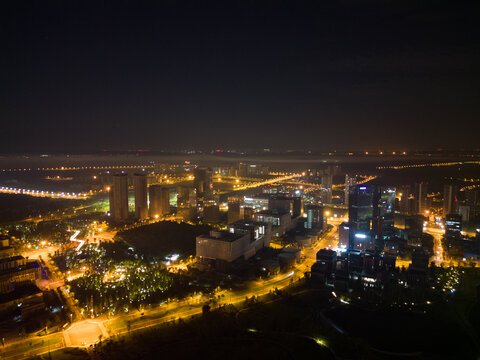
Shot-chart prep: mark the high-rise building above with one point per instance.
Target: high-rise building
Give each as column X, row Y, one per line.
column 472, row 200
column 464, row 212
column 421, row 190
column 363, row 213
column 186, row 202
column 405, row 200
column 297, row 206
column 327, row 182
column 314, row 216
column 119, row 197
column 453, row 226
column 450, row 200
column 235, row 209
column 140, row 189
column 383, row 226
column 203, row 184
column 453, row 243
column 349, row 182
column 211, row 213
column 186, row 196
column 159, row 197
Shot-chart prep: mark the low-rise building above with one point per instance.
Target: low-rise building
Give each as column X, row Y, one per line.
column 242, row 239
column 281, row 220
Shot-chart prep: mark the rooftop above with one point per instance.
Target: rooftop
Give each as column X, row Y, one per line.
column 222, row 235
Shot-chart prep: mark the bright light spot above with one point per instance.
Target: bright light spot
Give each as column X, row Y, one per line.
column 320, row 342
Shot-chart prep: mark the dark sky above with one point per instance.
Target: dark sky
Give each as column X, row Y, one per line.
column 81, row 76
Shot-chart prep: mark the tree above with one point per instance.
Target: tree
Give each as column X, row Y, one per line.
column 205, row 309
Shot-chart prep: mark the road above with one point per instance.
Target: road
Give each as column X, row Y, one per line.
column 437, row 234
column 79, row 334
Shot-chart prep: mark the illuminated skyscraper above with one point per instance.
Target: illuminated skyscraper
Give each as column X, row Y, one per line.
column 349, row 182
column 140, row 188
column 362, row 213
column 119, row 197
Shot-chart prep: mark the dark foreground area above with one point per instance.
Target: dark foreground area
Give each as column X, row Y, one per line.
column 302, row 323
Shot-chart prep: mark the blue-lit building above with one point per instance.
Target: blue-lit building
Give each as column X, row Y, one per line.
column 361, row 214
column 371, row 210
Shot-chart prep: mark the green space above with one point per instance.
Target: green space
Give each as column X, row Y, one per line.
column 163, row 238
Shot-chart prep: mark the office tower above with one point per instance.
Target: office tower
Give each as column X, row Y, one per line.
column 297, row 206
column 386, row 210
column 450, row 200
column 405, row 203
column 235, row 209
column 314, row 216
column 421, row 190
column 159, row 197
column 349, row 182
column 119, row 197
column 203, row 184
column 472, row 200
column 453, row 226
column 453, row 243
column 326, row 194
column 363, row 212
column 140, row 189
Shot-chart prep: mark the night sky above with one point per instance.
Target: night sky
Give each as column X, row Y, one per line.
column 81, row 76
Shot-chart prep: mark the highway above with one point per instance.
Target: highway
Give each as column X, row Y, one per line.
column 84, row 332
column 44, row 193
